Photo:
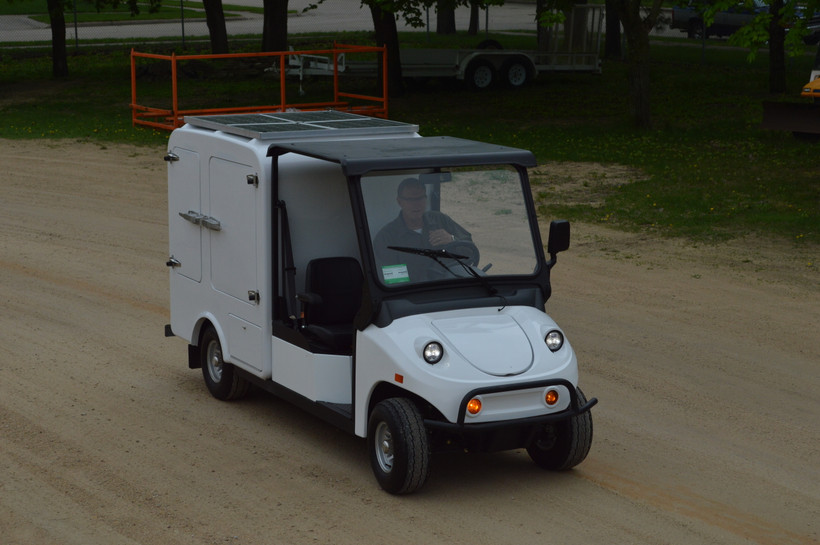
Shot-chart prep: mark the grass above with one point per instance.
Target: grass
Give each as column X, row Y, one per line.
column 708, row 172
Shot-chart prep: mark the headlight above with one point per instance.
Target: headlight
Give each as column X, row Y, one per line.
column 554, row 340
column 433, row 352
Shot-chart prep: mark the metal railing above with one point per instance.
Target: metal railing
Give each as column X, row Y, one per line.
column 285, row 64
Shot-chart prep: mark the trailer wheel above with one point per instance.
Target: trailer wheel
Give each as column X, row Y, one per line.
column 221, row 378
column 516, row 73
column 564, row 444
column 398, row 445
column 480, row 75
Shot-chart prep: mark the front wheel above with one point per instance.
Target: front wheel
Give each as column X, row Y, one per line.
column 565, row 444
column 480, row 75
column 398, row 445
column 221, row 378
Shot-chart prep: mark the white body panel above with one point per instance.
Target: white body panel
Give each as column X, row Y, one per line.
column 384, row 353
column 213, row 283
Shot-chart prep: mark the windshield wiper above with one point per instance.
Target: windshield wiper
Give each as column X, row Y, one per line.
column 429, row 252
column 460, row 259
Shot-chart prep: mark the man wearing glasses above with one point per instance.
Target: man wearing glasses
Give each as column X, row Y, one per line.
column 415, row 227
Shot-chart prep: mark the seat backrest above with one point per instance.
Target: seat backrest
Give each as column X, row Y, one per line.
column 338, row 280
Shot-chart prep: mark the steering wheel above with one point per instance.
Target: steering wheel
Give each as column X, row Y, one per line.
column 465, row 248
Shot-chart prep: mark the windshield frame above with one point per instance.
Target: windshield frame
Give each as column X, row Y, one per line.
column 385, row 302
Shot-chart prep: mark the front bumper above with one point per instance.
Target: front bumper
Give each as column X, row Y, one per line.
column 460, row 426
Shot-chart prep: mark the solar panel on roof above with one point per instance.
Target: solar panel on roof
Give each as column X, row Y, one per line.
column 278, row 126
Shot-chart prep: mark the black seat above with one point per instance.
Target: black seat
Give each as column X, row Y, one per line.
column 333, row 287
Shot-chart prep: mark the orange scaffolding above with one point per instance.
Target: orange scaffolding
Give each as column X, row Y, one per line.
column 164, row 118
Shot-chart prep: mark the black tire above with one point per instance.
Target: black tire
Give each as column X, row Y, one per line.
column 221, row 378
column 516, row 73
column 565, row 444
column 480, row 75
column 398, row 445
column 490, row 44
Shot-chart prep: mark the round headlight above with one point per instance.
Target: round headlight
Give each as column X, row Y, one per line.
column 433, row 352
column 554, row 340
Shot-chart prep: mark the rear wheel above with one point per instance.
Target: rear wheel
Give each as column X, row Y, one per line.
column 398, row 445
column 221, row 378
column 565, row 444
column 516, row 73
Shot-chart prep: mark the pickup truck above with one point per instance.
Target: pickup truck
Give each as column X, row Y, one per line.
column 689, row 19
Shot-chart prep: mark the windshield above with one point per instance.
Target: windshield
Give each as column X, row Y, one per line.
column 466, row 223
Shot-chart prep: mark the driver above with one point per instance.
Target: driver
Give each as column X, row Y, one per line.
column 415, row 227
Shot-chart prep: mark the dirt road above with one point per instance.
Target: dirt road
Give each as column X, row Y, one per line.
column 706, row 362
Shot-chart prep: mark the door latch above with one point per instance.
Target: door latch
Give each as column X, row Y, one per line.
column 253, row 296
column 200, row 219
column 172, row 262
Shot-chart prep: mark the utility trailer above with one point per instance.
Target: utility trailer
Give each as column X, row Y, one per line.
column 483, row 68
column 571, row 46
column 390, row 284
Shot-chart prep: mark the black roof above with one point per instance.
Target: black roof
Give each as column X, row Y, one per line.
column 357, row 156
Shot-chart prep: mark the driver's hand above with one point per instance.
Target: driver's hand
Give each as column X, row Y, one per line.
column 440, row 237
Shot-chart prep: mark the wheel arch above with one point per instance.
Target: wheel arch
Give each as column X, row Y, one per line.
column 386, row 390
column 201, row 325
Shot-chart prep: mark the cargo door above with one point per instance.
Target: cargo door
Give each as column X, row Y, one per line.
column 184, row 199
column 230, row 223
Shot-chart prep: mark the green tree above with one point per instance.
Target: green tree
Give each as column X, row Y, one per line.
column 781, row 28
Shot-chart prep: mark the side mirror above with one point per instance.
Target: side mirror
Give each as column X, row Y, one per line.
column 558, row 237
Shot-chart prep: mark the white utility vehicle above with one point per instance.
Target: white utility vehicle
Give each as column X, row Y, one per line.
column 292, row 268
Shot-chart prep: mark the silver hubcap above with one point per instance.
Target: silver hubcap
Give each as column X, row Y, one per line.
column 517, row 75
column 483, row 77
column 384, row 447
column 215, row 361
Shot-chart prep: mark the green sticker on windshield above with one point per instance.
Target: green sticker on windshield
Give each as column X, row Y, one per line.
column 394, row 274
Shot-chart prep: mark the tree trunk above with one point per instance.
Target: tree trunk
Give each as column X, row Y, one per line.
column 542, row 32
column 638, row 77
column 215, row 18
column 474, row 14
column 387, row 34
column 777, row 52
column 275, row 25
column 636, row 30
column 445, row 17
column 59, row 53
column 612, row 43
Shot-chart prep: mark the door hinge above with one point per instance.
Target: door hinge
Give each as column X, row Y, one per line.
column 253, row 296
column 171, row 157
column 253, row 180
column 172, row 262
